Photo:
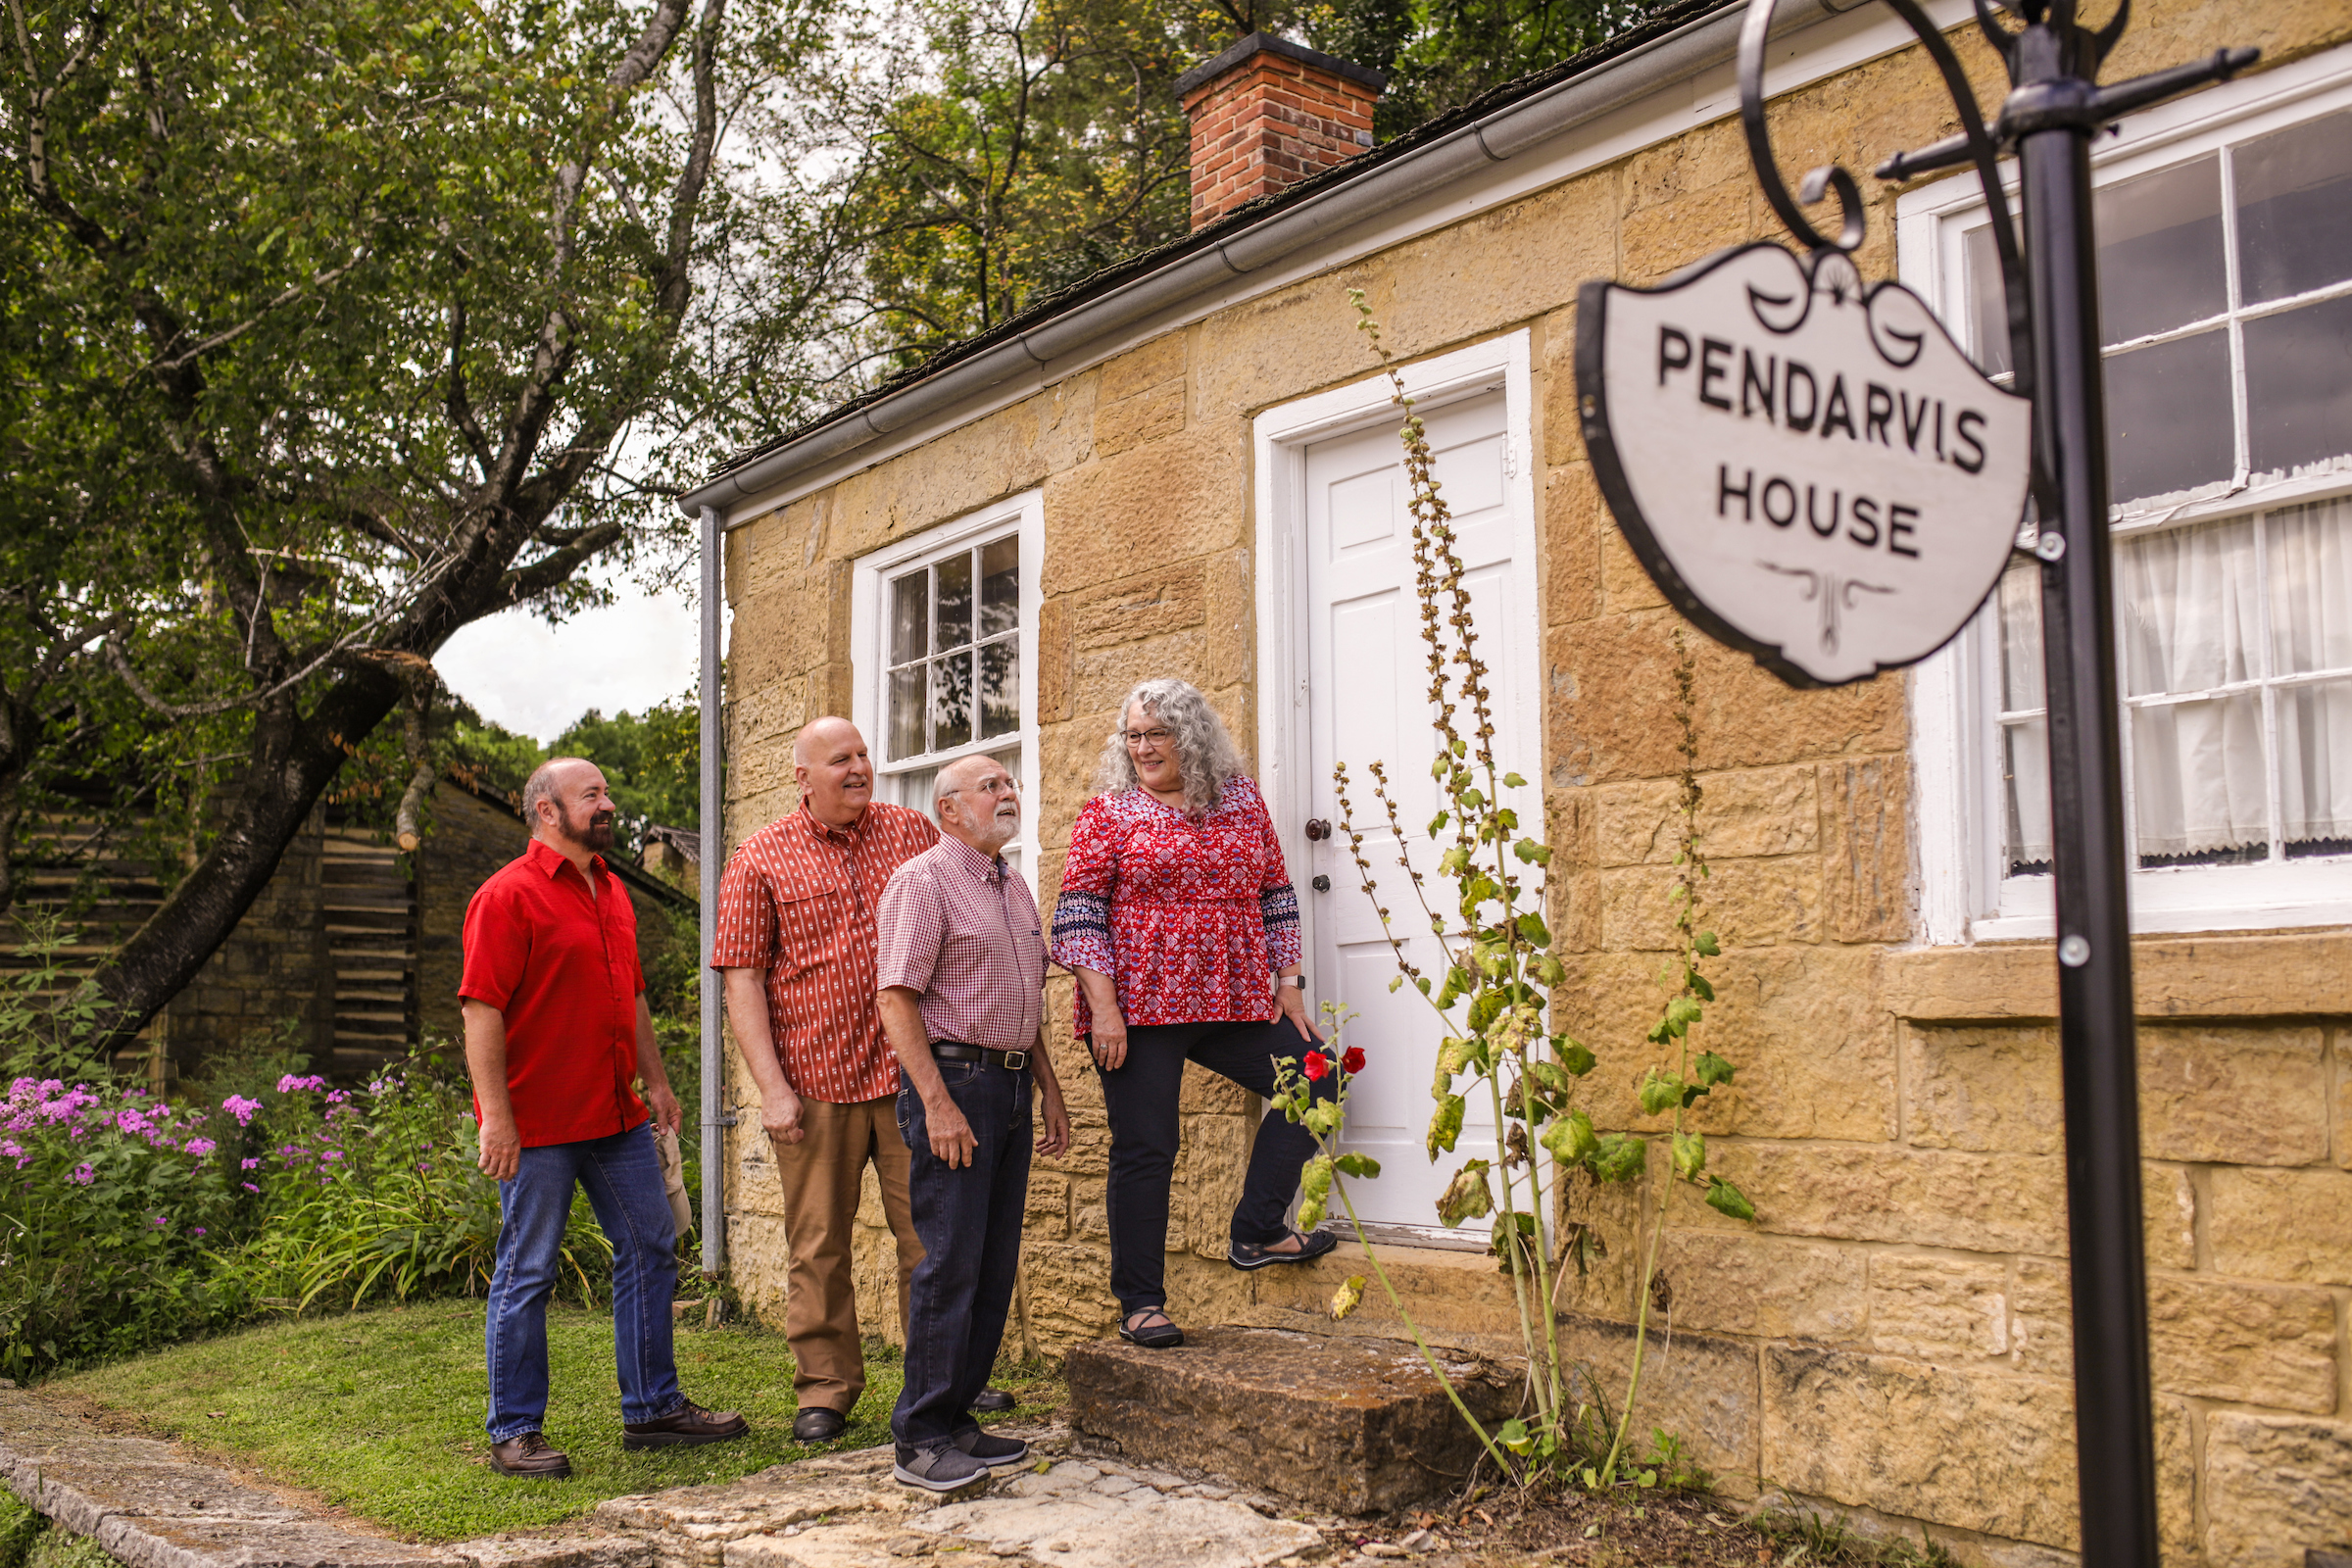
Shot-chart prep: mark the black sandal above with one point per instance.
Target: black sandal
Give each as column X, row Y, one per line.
column 1248, row 1255
column 1163, row 1336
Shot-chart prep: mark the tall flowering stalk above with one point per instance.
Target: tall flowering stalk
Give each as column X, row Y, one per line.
column 1492, row 999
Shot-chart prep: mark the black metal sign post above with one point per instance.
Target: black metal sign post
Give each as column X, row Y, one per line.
column 2053, row 111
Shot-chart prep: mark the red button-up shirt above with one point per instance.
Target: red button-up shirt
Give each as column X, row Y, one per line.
column 798, row 901
column 959, row 930
column 560, row 960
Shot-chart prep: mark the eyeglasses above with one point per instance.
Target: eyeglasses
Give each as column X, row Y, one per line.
column 994, row 789
column 1155, row 737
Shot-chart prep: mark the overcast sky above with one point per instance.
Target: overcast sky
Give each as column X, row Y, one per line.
column 535, row 679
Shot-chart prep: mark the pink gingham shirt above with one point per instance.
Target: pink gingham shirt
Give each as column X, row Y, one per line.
column 960, row 930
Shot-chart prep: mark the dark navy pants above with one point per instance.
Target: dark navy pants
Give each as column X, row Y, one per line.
column 969, row 1222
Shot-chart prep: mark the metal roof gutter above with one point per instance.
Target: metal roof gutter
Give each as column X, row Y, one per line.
column 1492, row 138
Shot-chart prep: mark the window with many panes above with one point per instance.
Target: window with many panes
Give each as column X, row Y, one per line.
column 2226, row 309
column 945, row 630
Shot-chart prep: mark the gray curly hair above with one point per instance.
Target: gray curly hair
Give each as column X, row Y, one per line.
column 1204, row 749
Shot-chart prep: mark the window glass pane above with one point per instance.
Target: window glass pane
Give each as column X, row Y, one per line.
column 2294, row 209
column 2299, row 386
column 2159, row 250
column 2187, row 607
column 954, row 599
column 905, row 717
column 2021, row 637
column 913, row 790
column 1000, row 687
column 2311, row 587
column 2199, row 793
column 2169, row 421
column 910, row 625
column 951, row 699
column 1988, row 304
column 2026, row 787
column 1001, row 586
column 2314, row 768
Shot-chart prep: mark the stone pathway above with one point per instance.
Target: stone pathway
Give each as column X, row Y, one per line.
column 152, row 1507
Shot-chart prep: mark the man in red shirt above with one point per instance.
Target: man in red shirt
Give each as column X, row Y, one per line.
column 796, row 944
column 556, row 1028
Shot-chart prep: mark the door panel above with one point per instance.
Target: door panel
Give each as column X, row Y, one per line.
column 1368, row 683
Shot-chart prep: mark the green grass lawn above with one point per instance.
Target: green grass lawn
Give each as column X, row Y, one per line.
column 382, row 1412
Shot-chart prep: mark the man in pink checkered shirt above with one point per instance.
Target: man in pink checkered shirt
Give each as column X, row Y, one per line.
column 961, row 971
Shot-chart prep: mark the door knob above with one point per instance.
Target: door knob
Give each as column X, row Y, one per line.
column 1321, row 884
column 1317, row 830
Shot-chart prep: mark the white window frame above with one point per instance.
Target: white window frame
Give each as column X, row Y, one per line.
column 869, row 652
column 1963, row 894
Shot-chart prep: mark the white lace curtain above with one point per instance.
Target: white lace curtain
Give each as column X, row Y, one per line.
column 2193, row 652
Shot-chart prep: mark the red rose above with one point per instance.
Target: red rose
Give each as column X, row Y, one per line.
column 1353, row 1061
column 1317, row 1064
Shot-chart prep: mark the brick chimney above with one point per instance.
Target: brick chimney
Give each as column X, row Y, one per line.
column 1267, row 114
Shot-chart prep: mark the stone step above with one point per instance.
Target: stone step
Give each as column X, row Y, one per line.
column 1354, row 1425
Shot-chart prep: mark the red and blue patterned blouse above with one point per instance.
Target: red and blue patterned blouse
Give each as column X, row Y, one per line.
column 1189, row 919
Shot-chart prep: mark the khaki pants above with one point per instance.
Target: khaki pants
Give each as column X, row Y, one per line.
column 821, row 1176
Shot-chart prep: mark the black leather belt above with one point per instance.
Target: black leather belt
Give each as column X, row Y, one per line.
column 956, row 1050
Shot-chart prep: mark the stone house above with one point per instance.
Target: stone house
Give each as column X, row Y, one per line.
column 1187, row 466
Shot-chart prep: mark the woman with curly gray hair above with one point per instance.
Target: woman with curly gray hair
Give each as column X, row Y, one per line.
column 1178, row 918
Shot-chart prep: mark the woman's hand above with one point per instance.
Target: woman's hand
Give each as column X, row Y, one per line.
column 1106, row 1032
column 1292, row 1003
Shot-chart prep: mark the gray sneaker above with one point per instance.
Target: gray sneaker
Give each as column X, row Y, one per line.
column 993, row 1452
column 943, row 1468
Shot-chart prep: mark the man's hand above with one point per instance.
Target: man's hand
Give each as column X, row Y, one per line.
column 952, row 1142
column 780, row 1114
column 1054, row 1139
column 502, row 1149
column 668, row 1117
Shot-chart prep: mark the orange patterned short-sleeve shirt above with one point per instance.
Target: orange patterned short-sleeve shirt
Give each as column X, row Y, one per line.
column 798, row 899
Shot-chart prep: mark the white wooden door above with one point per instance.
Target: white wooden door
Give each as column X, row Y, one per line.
column 1368, row 684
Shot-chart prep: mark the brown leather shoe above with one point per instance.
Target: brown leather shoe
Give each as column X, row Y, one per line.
column 530, row 1456
column 689, row 1424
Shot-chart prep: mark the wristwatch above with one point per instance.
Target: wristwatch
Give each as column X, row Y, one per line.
column 1298, row 980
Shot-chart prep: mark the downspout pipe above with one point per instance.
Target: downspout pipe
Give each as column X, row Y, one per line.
column 713, row 829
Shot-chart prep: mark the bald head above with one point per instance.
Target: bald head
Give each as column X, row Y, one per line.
column 829, row 762
column 566, row 803
column 976, row 801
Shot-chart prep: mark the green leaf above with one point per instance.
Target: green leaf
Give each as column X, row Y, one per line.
column 1514, row 1436
column 1690, row 1155
column 1394, row 981
column 1704, row 945
column 1576, row 1059
column 1436, row 823
column 1361, row 1166
column 1619, row 1158
column 1680, row 1013
column 1348, row 1297
column 1534, row 854
column 1311, row 1212
column 1533, row 931
column 1725, row 1199
column 1483, row 1010
column 1571, row 1139
column 1551, row 1078
column 1512, row 781
column 1446, row 1126
column 1699, row 985
column 1467, row 1196
column 1712, row 1069
column 1659, row 1091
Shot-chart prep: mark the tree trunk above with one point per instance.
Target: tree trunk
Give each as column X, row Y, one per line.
column 292, row 762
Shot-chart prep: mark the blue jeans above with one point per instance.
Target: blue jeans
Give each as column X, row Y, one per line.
column 969, row 1222
column 622, row 1175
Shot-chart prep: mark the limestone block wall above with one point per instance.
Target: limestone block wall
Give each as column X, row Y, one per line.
column 273, row 969
column 1890, row 1338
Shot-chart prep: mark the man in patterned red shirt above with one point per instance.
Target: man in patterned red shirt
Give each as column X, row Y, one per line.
column 796, row 944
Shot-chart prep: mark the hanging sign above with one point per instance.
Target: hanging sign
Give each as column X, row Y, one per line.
column 1810, row 469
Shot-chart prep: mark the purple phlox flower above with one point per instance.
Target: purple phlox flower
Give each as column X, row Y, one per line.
column 336, row 1097
column 201, row 1147
column 84, row 1175
column 130, row 1121
column 333, row 1154
column 243, row 1109
column 196, row 1230
column 249, row 1165
column 289, row 1083
column 249, row 1187
column 161, row 1222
